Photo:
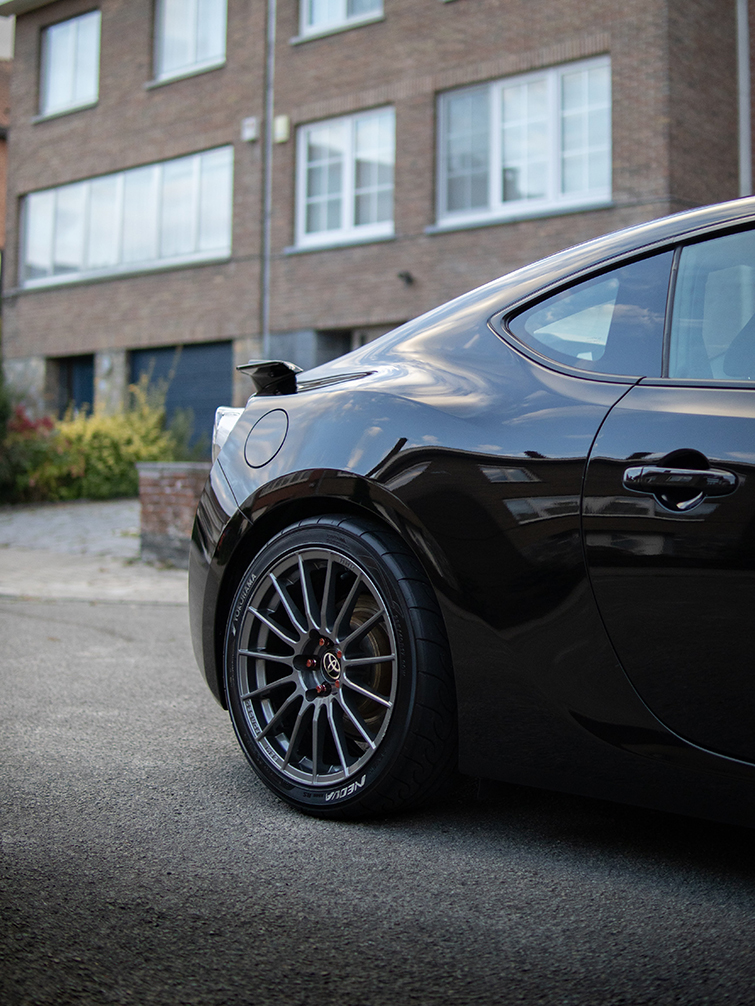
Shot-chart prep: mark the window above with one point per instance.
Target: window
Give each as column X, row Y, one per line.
column 611, row 324
column 345, row 179
column 70, row 64
column 176, row 211
column 190, row 36
column 526, row 144
column 324, row 15
column 713, row 322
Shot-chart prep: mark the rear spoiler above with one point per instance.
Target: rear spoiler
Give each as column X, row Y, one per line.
column 272, row 377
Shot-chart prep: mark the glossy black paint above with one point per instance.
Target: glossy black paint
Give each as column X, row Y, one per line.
column 676, row 588
column 598, row 637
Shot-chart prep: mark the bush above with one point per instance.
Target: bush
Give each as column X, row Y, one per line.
column 90, row 456
column 24, row 445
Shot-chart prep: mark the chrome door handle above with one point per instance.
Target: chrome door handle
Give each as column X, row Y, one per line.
column 670, row 486
column 709, row 481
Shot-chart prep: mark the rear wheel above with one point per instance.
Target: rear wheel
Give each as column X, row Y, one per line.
column 337, row 668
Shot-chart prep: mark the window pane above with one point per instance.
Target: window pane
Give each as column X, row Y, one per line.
column 325, row 152
column 68, row 246
column 39, row 219
column 373, row 168
column 104, row 222
column 467, row 150
column 215, row 200
column 211, row 16
column 598, row 85
column 316, row 218
column 713, row 324
column 585, row 130
column 324, row 12
column 358, row 8
column 86, row 78
column 612, row 324
column 60, row 56
column 573, row 92
column 179, row 207
column 140, row 214
column 524, row 140
column 178, row 35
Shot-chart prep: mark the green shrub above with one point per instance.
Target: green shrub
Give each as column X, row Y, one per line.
column 90, row 456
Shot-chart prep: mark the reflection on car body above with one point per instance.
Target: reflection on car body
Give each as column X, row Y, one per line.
column 515, row 535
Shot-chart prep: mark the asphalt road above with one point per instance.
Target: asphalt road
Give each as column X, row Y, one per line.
column 142, row 863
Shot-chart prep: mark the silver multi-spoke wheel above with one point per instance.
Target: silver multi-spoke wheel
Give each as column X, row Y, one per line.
column 338, row 678
column 317, row 666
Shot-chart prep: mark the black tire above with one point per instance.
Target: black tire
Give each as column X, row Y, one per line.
column 337, row 671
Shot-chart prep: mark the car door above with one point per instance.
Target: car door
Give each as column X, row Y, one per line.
column 669, row 508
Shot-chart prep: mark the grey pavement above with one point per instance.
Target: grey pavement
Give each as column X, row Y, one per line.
column 83, row 550
column 143, row 864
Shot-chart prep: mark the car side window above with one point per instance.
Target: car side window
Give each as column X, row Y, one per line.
column 713, row 320
column 611, row 324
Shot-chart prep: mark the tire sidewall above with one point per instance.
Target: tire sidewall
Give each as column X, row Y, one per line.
column 357, row 548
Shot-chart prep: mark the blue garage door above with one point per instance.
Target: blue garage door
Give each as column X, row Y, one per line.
column 198, row 378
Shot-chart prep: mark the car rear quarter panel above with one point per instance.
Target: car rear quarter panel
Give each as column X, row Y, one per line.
column 477, row 461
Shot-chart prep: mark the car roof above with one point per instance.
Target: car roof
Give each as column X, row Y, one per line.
column 629, row 241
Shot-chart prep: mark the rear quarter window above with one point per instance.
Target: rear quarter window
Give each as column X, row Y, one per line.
column 610, row 324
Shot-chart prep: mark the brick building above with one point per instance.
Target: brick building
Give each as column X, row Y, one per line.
column 290, row 178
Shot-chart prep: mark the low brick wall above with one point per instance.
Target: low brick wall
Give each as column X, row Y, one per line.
column 169, row 493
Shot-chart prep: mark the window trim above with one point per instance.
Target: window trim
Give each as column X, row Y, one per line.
column 307, row 32
column 67, row 111
column 498, row 211
column 144, row 266
column 351, row 233
column 202, row 66
column 195, row 71
column 44, row 70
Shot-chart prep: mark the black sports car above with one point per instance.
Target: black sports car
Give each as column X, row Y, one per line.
column 515, row 535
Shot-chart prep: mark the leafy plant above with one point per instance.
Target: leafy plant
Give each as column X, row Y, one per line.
column 92, row 456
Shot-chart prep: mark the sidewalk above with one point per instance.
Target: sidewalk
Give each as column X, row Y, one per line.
column 83, row 550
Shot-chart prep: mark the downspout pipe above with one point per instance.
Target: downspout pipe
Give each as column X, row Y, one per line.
column 267, row 211
column 744, row 98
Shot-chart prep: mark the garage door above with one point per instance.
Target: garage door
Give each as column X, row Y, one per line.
column 198, row 377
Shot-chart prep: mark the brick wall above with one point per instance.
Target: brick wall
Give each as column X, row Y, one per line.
column 702, row 101
column 168, row 494
column 132, row 125
column 674, row 145
column 662, row 52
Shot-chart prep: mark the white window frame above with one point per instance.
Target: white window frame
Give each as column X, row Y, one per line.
column 123, row 266
column 340, row 23
column 197, row 66
column 46, row 110
column 554, row 201
column 349, row 232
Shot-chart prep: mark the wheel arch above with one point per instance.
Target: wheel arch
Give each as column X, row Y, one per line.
column 264, row 521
